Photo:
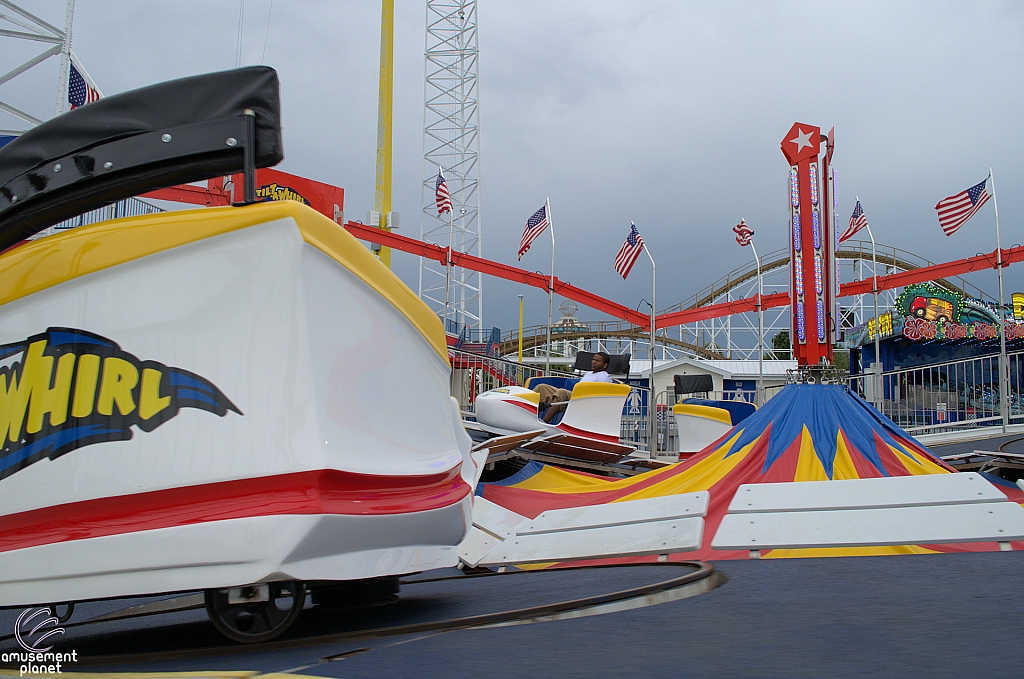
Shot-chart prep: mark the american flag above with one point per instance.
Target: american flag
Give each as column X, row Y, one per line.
column 858, row 220
column 743, row 233
column 535, row 226
column 81, row 90
column 444, row 200
column 629, row 251
column 956, row 210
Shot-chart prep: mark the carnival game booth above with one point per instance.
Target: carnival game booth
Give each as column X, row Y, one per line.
column 204, row 400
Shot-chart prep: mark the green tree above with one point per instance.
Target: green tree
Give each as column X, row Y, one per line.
column 841, row 359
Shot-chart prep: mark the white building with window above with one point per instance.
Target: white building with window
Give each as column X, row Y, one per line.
column 731, row 379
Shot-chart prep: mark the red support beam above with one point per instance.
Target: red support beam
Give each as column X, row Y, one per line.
column 935, row 272
column 392, row 240
column 538, row 280
column 210, row 196
column 736, row 306
column 896, row 280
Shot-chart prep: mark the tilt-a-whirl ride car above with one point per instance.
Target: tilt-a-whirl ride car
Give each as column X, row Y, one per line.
column 594, row 410
column 203, row 400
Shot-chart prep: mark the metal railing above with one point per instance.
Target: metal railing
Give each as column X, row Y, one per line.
column 748, row 395
column 583, row 328
column 473, row 374
column 634, row 428
column 129, row 207
column 945, row 397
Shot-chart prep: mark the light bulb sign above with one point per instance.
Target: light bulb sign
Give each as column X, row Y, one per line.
column 812, row 244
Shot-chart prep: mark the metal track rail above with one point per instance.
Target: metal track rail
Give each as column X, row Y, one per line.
column 699, row 577
column 1006, row 443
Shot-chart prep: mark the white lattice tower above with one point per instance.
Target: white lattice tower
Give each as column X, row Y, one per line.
column 451, row 140
column 29, row 27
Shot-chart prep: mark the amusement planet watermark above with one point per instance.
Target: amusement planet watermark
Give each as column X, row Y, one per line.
column 32, row 633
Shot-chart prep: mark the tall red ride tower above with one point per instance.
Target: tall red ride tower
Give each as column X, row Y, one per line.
column 813, row 275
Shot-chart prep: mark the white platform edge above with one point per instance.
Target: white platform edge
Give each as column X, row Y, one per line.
column 619, row 513
column 934, row 524
column 655, row 537
column 895, row 491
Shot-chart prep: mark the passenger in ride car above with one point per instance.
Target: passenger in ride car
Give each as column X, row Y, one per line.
column 598, row 369
column 557, row 399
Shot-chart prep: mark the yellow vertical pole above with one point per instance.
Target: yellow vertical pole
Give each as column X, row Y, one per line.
column 382, row 196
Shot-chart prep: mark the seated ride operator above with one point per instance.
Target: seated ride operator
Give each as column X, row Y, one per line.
column 557, row 399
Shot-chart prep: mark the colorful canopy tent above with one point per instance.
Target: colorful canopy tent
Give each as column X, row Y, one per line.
column 807, row 432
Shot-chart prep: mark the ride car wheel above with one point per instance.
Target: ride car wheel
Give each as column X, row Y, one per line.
column 253, row 622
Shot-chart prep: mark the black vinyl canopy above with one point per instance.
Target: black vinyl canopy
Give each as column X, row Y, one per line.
column 166, row 134
column 618, row 364
column 693, row 384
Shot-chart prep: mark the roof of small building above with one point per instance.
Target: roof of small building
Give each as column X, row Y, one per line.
column 726, row 368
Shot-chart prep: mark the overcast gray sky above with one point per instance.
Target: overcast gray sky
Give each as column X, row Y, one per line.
column 669, row 114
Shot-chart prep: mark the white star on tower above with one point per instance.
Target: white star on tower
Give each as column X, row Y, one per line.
column 801, row 139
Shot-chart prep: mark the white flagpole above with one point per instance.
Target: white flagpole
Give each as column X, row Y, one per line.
column 551, row 282
column 1004, row 366
column 877, row 367
column 759, row 397
column 652, row 406
column 84, row 73
column 448, row 264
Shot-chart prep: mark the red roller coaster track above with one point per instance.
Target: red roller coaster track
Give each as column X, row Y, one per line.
column 394, row 241
column 411, row 245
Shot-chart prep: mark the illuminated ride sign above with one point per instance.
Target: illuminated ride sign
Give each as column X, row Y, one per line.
column 926, row 312
column 812, row 244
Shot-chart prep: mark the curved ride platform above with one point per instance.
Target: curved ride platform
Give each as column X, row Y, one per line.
column 806, row 433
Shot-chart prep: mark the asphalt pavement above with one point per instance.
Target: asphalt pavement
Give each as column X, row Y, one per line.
column 950, row 615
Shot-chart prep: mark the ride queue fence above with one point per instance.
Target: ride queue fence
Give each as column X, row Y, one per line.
column 129, row 207
column 635, row 429
column 945, row 397
column 473, row 374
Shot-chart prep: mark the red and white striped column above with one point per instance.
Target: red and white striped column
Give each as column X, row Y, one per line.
column 811, row 243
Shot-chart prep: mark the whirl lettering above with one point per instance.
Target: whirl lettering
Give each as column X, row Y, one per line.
column 64, row 389
column 275, row 192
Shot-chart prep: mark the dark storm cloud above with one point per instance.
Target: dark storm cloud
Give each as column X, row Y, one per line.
column 666, row 113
